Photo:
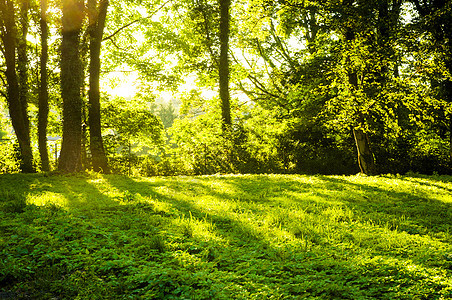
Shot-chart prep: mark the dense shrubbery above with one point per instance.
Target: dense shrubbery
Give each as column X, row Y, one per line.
column 261, row 142
column 293, row 150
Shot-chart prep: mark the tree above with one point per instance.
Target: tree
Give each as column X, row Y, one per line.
column 203, row 47
column 43, row 113
column 436, row 17
column 365, row 155
column 131, row 125
column 367, row 88
column 71, row 82
column 96, row 15
column 16, row 94
column 330, row 66
column 223, row 63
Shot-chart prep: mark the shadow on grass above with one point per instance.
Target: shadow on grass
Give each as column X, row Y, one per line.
column 437, row 181
column 389, row 209
column 249, row 253
column 369, row 202
column 420, row 209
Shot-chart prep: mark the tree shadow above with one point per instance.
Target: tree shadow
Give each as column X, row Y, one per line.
column 423, row 213
column 411, row 213
column 435, row 181
column 237, row 207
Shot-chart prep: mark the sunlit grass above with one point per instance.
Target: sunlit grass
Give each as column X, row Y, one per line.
column 48, row 198
column 223, row 237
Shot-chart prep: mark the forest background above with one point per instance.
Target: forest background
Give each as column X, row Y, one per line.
column 243, row 86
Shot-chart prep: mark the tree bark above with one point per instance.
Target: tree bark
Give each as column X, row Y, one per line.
column 448, row 93
column 97, row 16
column 365, row 155
column 43, row 112
column 448, row 88
column 17, row 103
column 366, row 160
column 71, row 82
column 223, row 66
column 22, row 60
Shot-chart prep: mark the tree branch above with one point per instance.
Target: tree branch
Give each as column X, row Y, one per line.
column 3, row 79
column 4, row 84
column 266, row 68
column 283, row 51
column 257, row 83
column 135, row 21
column 117, row 47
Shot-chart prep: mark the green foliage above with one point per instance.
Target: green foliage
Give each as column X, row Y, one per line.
column 131, row 128
column 221, row 237
column 249, row 146
column 8, row 157
column 132, row 121
column 12, row 203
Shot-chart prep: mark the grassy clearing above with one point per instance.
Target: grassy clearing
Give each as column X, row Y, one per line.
column 225, row 237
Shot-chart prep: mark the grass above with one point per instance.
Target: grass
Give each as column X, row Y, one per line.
column 225, row 237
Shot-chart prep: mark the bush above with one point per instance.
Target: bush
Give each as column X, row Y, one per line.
column 8, row 162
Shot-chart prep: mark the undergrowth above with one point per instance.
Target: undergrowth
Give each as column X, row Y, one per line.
column 95, row 236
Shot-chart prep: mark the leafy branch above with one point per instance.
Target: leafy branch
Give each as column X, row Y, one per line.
column 110, row 37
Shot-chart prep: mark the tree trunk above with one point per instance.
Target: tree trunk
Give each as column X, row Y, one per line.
column 22, row 59
column 43, row 91
column 365, row 156
column 71, row 82
column 450, row 141
column 17, row 104
column 448, row 93
column 223, row 66
column 96, row 28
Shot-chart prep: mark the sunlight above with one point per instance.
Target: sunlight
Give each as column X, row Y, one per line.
column 120, row 83
column 48, row 198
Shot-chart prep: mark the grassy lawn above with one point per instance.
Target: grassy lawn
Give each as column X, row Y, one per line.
column 225, row 237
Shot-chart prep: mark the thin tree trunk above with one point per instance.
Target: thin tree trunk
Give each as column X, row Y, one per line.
column 22, row 60
column 450, row 141
column 224, row 63
column 84, row 52
column 448, row 93
column 71, row 82
column 16, row 102
column 22, row 68
column 97, row 18
column 43, row 91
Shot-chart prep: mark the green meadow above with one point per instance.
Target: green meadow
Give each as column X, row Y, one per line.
column 93, row 236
